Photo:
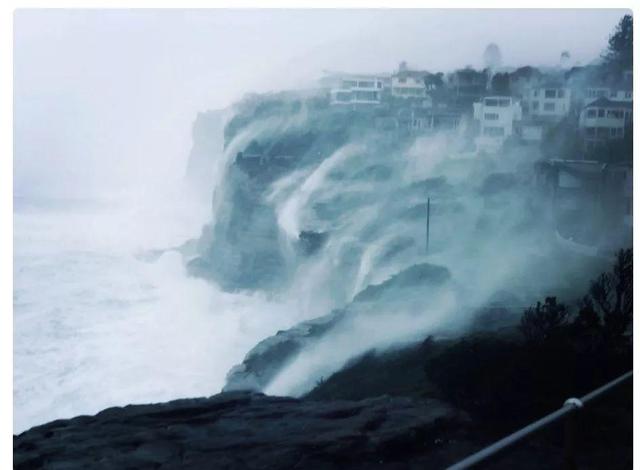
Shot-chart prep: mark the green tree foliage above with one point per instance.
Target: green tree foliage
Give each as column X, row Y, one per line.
column 619, row 54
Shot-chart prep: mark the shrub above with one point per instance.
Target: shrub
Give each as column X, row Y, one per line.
column 542, row 322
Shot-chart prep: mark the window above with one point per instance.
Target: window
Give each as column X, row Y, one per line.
column 536, row 105
column 591, row 112
column 614, row 114
column 602, row 132
column 535, row 93
column 591, row 131
column 349, row 83
column 366, row 95
column 600, row 113
column 627, row 94
column 616, row 132
column 549, row 106
column 494, row 131
column 597, row 92
column 379, row 84
column 343, row 96
column 549, row 94
column 505, row 102
column 490, row 102
column 491, row 116
column 561, row 93
column 365, row 84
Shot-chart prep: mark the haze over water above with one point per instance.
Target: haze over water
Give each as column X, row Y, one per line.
column 102, row 137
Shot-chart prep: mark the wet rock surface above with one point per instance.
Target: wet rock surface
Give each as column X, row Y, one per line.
column 241, row 430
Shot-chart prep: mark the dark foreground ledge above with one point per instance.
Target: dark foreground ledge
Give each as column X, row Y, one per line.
column 239, row 430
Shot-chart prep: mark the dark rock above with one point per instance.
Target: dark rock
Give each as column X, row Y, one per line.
column 269, row 356
column 248, row 431
column 416, row 275
column 310, row 241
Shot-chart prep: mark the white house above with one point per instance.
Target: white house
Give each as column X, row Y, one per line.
column 604, row 119
column 624, row 93
column 496, row 115
column 548, row 102
column 357, row 89
column 408, row 84
column 592, row 93
column 618, row 93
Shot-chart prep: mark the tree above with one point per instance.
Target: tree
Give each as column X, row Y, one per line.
column 619, row 54
column 492, row 57
column 611, row 297
column 500, row 84
column 434, row 81
column 540, row 323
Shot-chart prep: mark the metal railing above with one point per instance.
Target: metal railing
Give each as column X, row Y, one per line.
column 568, row 410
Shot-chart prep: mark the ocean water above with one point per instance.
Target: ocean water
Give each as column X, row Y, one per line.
column 98, row 325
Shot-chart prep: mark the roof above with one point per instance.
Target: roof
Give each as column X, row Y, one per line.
column 607, row 103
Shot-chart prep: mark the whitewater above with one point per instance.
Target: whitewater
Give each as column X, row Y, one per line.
column 101, row 319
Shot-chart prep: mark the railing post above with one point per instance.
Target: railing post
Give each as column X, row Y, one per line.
column 570, row 429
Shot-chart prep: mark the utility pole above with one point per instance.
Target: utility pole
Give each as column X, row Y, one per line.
column 428, row 217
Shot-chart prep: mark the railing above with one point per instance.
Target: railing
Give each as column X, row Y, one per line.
column 568, row 410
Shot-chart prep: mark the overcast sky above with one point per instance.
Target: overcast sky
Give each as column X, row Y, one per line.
column 105, row 99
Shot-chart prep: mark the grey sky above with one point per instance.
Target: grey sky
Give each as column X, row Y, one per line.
column 105, row 99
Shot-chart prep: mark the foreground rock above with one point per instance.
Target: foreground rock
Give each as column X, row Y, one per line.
column 248, row 431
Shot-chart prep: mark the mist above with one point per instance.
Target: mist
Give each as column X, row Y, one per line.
column 105, row 99
column 133, row 286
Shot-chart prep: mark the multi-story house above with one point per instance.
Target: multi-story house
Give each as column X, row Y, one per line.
column 623, row 92
column 550, row 101
column 357, row 89
column 408, row 84
column 603, row 120
column 496, row 115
